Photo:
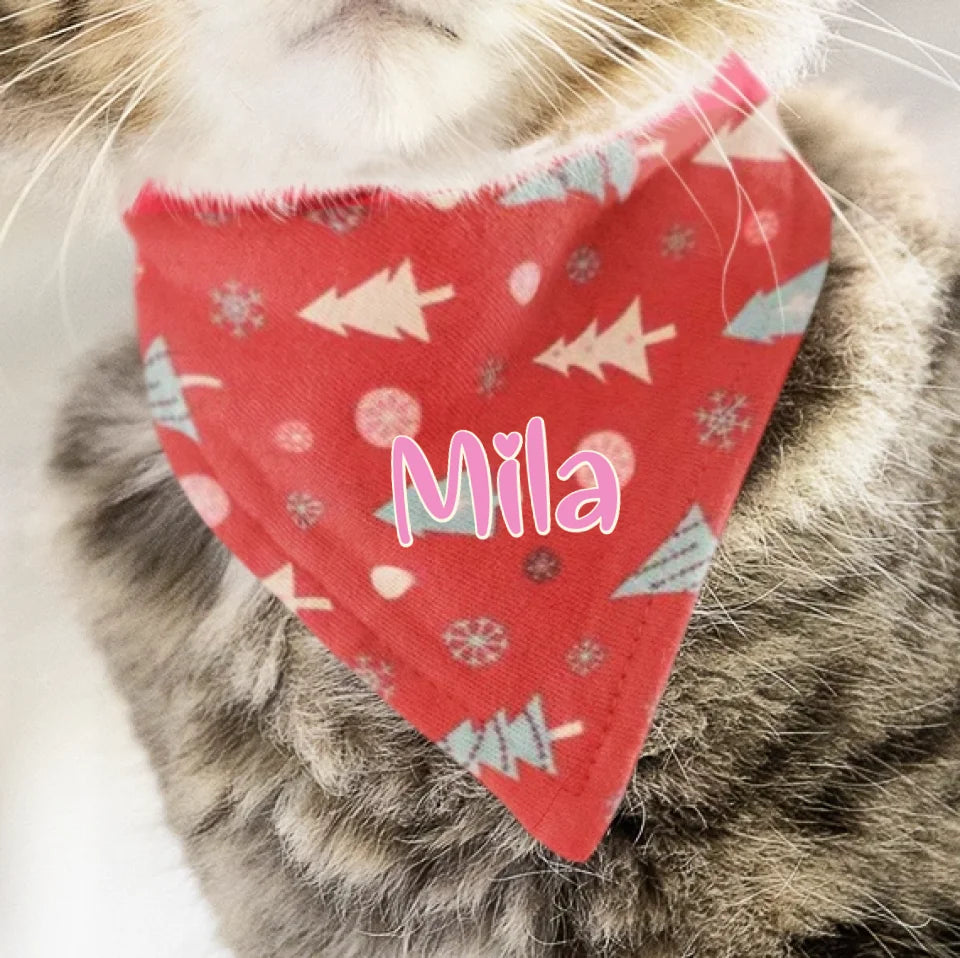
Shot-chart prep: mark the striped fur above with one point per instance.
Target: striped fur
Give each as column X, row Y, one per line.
column 799, row 796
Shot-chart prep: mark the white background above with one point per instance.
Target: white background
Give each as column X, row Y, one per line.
column 86, row 866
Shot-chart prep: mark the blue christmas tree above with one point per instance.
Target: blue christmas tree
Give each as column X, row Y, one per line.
column 502, row 742
column 421, row 522
column 785, row 311
column 679, row 565
column 623, row 165
column 164, row 391
column 590, row 172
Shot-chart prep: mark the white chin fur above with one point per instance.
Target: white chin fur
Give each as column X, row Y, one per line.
column 259, row 110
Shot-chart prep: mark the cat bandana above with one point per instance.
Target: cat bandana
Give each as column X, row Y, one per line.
column 581, row 364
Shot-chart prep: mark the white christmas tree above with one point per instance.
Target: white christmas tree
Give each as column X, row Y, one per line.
column 502, row 742
column 387, row 305
column 283, row 585
column 624, row 345
column 758, row 137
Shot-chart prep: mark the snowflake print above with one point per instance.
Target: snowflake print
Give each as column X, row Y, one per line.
column 377, row 676
column 238, row 308
column 677, row 242
column 722, row 419
column 542, row 565
column 617, row 448
column 304, row 509
column 490, row 377
column 761, row 228
column 293, row 436
column 342, row 219
column 583, row 265
column 476, row 642
column 586, row 656
column 384, row 414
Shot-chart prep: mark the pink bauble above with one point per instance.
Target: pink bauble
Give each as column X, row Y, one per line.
column 206, row 495
column 616, row 447
column 294, row 436
column 524, row 282
column 762, row 228
column 384, row 414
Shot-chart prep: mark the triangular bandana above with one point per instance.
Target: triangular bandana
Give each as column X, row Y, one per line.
column 643, row 301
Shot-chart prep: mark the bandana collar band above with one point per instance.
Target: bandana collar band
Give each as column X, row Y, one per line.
column 637, row 305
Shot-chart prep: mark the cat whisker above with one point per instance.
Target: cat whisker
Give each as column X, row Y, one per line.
column 49, row 60
column 99, row 20
column 578, row 68
column 148, row 83
column 26, row 11
column 82, row 120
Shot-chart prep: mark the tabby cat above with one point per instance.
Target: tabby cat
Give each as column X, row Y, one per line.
column 799, row 794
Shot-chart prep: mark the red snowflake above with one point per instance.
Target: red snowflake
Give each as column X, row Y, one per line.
column 304, row 509
column 476, row 642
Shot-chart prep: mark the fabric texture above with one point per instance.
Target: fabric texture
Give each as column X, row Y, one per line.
column 644, row 299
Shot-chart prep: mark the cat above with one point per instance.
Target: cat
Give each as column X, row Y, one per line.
column 799, row 794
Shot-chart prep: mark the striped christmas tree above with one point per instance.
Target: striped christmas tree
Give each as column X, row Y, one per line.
column 165, row 389
column 503, row 742
column 785, row 311
column 679, row 565
column 421, row 522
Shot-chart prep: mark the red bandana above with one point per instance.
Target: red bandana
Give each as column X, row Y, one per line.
column 640, row 298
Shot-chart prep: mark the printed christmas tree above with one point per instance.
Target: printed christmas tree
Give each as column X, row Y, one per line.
column 502, row 742
column 785, row 311
column 623, row 345
column 386, row 305
column 758, row 137
column 679, row 565
column 421, row 522
column 165, row 396
column 617, row 165
column 283, row 585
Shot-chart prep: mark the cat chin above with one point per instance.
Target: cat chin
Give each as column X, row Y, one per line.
column 254, row 115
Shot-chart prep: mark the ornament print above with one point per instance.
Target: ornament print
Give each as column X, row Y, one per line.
column 384, row 414
column 524, row 282
column 207, row 497
column 294, row 436
column 391, row 582
column 762, row 227
column 572, row 348
column 477, row 642
column 721, row 420
column 238, row 309
column 617, row 448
